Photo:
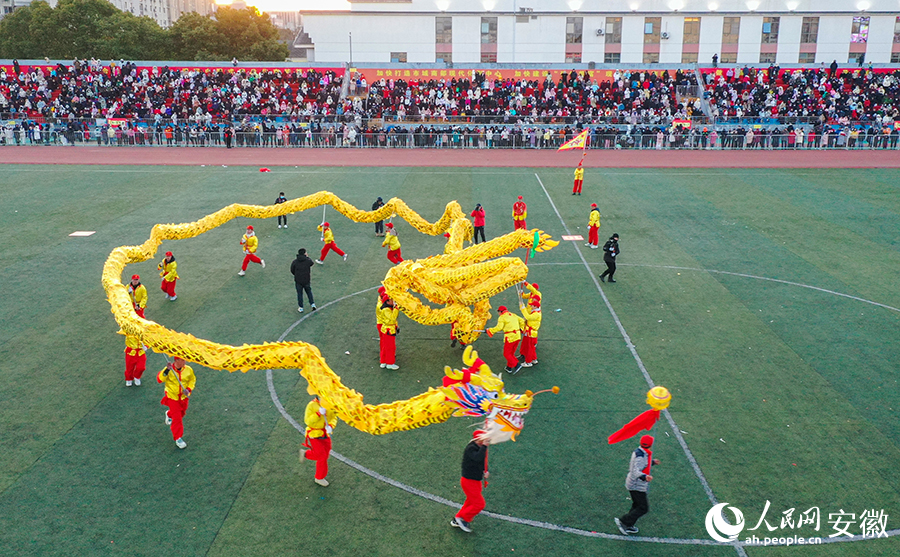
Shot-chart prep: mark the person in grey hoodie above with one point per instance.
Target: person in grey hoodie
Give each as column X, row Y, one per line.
column 637, row 482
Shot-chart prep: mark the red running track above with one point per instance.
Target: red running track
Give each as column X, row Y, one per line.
column 502, row 158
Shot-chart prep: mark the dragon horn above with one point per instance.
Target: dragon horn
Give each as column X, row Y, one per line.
column 470, row 355
column 554, row 390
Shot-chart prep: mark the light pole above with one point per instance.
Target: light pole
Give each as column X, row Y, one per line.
column 350, row 34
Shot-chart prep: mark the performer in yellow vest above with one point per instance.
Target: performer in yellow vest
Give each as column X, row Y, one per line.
column 250, row 243
column 320, row 423
column 579, row 178
column 594, row 227
column 169, row 272
column 179, row 380
column 511, row 325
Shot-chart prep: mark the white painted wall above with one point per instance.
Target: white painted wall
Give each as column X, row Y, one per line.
column 535, row 41
column 789, row 39
column 670, row 49
column 881, row 39
column 593, row 46
column 632, row 39
column 834, row 39
column 467, row 39
column 710, row 38
column 750, row 39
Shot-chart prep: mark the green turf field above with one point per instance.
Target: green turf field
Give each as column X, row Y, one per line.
column 784, row 393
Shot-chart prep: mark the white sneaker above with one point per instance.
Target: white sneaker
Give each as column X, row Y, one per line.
column 323, row 482
column 382, row 366
column 285, row 226
column 526, row 364
column 345, row 257
column 319, row 262
column 241, row 273
column 313, row 307
column 533, row 362
column 168, row 419
column 129, row 383
column 391, row 366
column 180, row 443
column 590, row 245
column 300, row 310
column 263, row 263
column 137, row 382
column 173, row 298
column 279, row 226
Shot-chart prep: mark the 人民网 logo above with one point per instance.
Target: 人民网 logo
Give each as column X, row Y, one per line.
column 717, row 526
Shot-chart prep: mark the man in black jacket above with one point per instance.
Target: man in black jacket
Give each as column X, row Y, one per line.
column 610, row 251
column 474, row 476
column 300, row 269
column 379, row 226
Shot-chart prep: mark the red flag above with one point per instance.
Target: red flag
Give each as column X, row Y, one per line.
column 646, row 420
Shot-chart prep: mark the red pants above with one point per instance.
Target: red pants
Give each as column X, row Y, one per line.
column 248, row 258
column 594, row 235
column 394, row 256
column 474, row 503
column 319, row 450
column 529, row 348
column 519, row 224
column 576, row 188
column 168, row 287
column 177, row 410
column 509, row 352
column 330, row 246
column 139, row 310
column 388, row 347
column 135, row 366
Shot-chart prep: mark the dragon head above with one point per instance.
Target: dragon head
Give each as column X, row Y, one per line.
column 476, row 391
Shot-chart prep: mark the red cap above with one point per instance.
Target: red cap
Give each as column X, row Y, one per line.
column 501, row 309
column 534, row 284
column 168, row 254
column 325, row 224
column 478, row 433
column 646, row 441
column 390, row 225
column 520, row 198
column 249, row 228
column 135, row 277
column 593, row 204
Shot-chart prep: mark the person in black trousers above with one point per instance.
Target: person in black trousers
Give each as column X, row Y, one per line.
column 610, row 251
column 278, row 201
column 300, row 269
column 379, row 226
column 637, row 482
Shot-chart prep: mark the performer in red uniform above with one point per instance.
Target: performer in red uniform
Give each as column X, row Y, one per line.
column 250, row 243
column 473, row 479
column 594, row 227
column 168, row 269
column 386, row 316
column 328, row 238
column 319, row 424
column 519, row 213
column 579, row 178
column 138, row 294
column 135, row 360
column 511, row 325
column 392, row 242
column 179, row 380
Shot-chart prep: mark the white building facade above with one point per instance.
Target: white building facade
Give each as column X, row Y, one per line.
column 612, row 32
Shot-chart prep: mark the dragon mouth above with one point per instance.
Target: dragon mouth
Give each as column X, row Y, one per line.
column 511, row 420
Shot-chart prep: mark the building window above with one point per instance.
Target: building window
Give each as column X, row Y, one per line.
column 895, row 57
column 489, row 30
column 731, row 30
column 809, row 31
column 859, row 33
column 573, row 58
column 652, row 27
column 574, row 28
column 614, row 30
column 651, row 57
column 728, row 58
column 807, row 57
column 488, row 57
column 443, row 30
column 445, row 57
column 612, row 57
column 770, row 30
column 897, row 30
column 688, row 57
column 766, row 57
column 691, row 31
column 398, row 57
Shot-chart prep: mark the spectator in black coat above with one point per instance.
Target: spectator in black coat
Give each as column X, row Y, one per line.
column 300, row 269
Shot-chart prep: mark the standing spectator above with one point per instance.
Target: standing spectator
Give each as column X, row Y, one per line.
column 511, row 325
column 833, row 67
column 250, row 243
column 519, row 214
column 594, row 227
column 138, row 294
column 319, row 425
column 579, row 178
column 610, row 251
column 637, row 482
column 278, row 201
column 386, row 316
column 379, row 225
column 715, row 60
column 179, row 380
column 473, row 479
column 478, row 216
column 393, row 244
column 328, row 238
column 300, row 269
column 168, row 269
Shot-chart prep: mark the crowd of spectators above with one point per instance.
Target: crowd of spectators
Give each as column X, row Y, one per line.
column 122, row 104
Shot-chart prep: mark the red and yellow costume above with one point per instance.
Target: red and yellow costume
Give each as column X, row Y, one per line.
column 169, row 272
column 319, row 423
column 511, row 325
column 531, row 294
column 328, row 238
column 594, row 227
column 519, row 214
column 392, row 242
column 579, row 178
column 530, row 333
column 250, row 243
column 386, row 316
column 176, row 398
column 135, row 358
column 138, row 297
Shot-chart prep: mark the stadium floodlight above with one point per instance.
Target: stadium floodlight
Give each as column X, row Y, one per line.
column 752, row 5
